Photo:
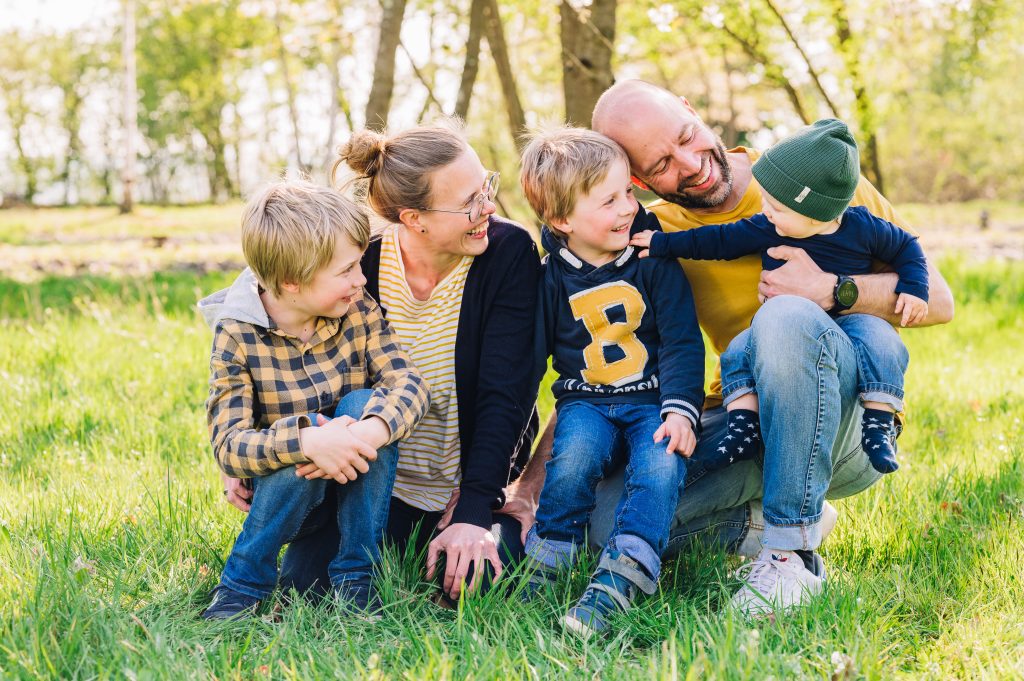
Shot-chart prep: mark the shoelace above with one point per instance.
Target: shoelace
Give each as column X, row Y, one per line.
column 600, row 601
column 761, row 575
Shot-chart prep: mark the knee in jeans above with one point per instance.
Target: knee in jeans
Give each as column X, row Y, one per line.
column 284, row 481
column 782, row 317
column 353, row 403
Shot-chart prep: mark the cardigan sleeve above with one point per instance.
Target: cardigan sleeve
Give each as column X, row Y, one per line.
column 506, row 387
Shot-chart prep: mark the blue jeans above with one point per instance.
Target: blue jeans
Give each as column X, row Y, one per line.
column 282, row 503
column 882, row 360
column 805, row 367
column 585, row 445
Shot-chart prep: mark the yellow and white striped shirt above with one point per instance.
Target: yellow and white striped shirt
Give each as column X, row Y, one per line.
column 428, row 458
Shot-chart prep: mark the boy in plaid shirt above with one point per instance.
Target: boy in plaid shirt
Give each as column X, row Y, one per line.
column 294, row 338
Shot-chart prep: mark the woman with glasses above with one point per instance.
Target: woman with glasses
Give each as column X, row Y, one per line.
column 459, row 286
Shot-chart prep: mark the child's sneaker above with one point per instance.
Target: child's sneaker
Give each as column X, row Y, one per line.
column 229, row 604
column 358, row 596
column 612, row 589
column 775, row 581
column 878, row 439
column 742, row 440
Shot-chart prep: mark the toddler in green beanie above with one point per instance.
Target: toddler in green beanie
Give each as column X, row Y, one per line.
column 807, row 182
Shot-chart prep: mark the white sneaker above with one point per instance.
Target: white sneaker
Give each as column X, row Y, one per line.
column 775, row 581
column 751, row 544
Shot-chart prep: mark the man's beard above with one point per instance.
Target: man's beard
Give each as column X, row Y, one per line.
column 714, row 196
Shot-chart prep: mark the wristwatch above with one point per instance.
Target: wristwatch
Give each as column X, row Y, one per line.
column 844, row 294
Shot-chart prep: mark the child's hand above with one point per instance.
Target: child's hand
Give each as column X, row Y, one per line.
column 642, row 240
column 679, row 431
column 309, row 471
column 336, row 451
column 913, row 309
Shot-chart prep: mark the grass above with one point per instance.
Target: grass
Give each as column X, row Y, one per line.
column 112, row 527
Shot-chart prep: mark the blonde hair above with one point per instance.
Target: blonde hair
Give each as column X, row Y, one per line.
column 397, row 170
column 561, row 164
column 290, row 230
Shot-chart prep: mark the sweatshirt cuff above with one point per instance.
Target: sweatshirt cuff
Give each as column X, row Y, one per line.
column 287, row 446
column 683, row 407
column 659, row 245
column 914, row 289
column 475, row 509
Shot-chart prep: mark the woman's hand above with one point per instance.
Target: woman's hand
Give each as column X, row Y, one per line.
column 236, row 492
column 464, row 546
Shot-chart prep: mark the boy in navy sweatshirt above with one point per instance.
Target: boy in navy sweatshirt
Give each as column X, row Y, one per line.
column 807, row 182
column 630, row 361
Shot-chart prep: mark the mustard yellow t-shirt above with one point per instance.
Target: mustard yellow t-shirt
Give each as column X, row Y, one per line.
column 725, row 291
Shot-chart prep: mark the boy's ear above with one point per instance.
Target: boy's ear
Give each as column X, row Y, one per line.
column 561, row 226
column 290, row 287
column 639, row 183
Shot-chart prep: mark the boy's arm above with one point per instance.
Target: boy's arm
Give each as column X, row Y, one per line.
column 242, row 450
column 681, row 355
column 400, row 395
column 717, row 242
column 901, row 251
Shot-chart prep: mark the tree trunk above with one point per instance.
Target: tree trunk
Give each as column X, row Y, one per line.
column 588, row 40
column 131, row 99
column 472, row 63
column 379, row 104
column 850, row 47
column 289, row 88
column 495, row 33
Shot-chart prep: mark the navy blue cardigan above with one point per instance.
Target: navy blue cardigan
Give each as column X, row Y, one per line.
column 495, row 388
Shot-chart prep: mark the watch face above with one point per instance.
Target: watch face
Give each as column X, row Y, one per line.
column 846, row 293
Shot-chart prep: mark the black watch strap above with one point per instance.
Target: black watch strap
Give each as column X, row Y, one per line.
column 844, row 295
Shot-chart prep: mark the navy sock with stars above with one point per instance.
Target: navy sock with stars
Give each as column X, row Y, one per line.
column 877, row 439
column 742, row 439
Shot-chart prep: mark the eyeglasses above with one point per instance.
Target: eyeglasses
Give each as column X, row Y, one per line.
column 476, row 208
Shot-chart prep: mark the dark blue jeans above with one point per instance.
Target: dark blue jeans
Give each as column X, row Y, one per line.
column 584, row 450
column 282, row 504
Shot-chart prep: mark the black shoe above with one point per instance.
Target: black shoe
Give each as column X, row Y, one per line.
column 229, row 604
column 359, row 597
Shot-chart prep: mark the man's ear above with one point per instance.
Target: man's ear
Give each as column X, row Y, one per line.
column 639, row 183
column 686, row 103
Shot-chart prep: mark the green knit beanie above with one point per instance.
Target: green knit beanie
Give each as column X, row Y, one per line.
column 814, row 172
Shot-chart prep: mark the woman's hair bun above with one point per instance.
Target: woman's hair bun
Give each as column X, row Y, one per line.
column 364, row 152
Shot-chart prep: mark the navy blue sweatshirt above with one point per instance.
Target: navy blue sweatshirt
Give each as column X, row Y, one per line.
column 497, row 415
column 625, row 332
column 861, row 238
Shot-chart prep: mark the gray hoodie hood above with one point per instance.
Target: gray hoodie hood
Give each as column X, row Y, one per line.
column 240, row 302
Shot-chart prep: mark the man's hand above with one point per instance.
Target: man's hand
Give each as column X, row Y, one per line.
column 913, row 309
column 464, row 545
column 679, row 431
column 800, row 276
column 236, row 492
column 521, row 504
column 336, row 451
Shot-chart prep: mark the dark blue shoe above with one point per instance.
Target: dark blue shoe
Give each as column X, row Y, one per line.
column 359, row 597
column 612, row 589
column 229, row 604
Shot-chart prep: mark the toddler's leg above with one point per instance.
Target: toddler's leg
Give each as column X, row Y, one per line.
column 742, row 437
column 882, row 360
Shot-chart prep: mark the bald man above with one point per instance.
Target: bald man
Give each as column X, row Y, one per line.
column 804, row 365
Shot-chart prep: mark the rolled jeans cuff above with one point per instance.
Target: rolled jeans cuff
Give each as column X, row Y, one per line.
column 877, row 393
column 552, row 553
column 640, row 551
column 804, row 535
column 736, row 391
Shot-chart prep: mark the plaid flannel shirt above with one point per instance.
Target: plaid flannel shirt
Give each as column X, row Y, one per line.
column 265, row 385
